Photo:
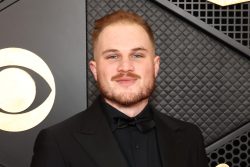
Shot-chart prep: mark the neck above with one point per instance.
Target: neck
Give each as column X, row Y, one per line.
column 129, row 110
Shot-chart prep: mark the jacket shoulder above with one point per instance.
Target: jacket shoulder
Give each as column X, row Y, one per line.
column 178, row 124
column 82, row 119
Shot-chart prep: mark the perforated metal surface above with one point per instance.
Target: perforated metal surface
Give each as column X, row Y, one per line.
column 235, row 153
column 201, row 80
column 233, row 20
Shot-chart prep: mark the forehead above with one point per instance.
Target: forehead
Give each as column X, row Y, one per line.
column 122, row 36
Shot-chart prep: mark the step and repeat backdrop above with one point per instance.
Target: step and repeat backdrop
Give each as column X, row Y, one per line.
column 42, row 71
column 204, row 76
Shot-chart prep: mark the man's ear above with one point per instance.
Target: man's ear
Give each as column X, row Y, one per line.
column 156, row 64
column 92, row 66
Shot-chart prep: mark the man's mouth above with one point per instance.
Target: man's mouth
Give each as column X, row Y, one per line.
column 126, row 79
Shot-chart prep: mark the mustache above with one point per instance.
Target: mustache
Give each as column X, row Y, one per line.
column 128, row 74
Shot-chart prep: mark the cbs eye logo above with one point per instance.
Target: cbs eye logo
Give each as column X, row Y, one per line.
column 27, row 90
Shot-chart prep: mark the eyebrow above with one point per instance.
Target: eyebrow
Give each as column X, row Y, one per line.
column 133, row 50
column 109, row 50
column 139, row 49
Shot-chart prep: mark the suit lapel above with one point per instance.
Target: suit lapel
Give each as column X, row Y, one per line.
column 170, row 144
column 97, row 139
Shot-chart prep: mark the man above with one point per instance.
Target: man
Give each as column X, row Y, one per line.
column 121, row 129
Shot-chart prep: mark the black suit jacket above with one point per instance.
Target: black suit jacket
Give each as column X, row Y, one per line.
column 85, row 140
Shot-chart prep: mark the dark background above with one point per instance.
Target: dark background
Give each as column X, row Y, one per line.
column 55, row 31
column 205, row 68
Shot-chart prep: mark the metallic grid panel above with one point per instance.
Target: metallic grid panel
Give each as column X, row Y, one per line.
column 201, row 80
column 235, row 153
column 233, row 20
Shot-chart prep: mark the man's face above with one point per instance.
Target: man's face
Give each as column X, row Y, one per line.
column 125, row 65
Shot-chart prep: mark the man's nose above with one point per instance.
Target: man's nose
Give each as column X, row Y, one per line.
column 125, row 65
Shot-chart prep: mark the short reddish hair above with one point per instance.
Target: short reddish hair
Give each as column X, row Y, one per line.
column 120, row 16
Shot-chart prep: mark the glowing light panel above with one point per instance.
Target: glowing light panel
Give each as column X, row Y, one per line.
column 222, row 165
column 227, row 2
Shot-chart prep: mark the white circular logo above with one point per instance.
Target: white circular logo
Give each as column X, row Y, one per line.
column 21, row 105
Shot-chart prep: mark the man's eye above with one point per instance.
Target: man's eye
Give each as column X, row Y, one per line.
column 113, row 56
column 137, row 55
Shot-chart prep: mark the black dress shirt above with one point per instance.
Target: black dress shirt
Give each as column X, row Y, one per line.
column 139, row 148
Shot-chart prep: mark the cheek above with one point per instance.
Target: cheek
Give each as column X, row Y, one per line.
column 147, row 71
column 105, row 73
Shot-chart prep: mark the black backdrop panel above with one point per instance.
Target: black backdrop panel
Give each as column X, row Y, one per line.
column 55, row 31
column 202, row 80
column 232, row 20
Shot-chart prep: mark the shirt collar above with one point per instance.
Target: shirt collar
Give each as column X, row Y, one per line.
column 110, row 113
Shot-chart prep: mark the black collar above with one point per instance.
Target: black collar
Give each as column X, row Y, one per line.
column 111, row 113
